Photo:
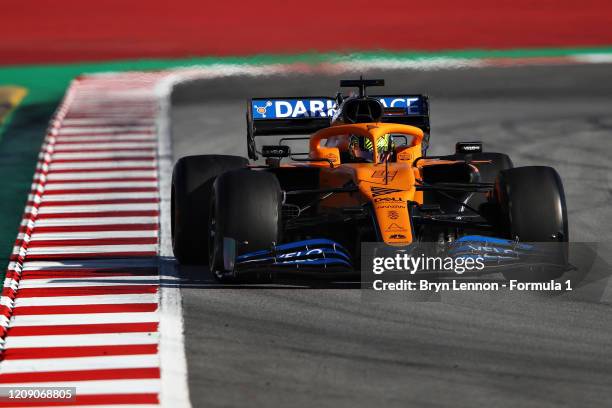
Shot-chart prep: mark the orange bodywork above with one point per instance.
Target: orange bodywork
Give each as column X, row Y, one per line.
column 388, row 186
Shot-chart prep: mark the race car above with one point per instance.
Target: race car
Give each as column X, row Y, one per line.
column 365, row 177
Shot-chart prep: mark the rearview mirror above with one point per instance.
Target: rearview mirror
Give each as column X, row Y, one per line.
column 468, row 147
column 275, row 151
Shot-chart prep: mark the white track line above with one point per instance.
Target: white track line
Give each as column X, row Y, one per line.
column 98, row 208
column 103, row 165
column 61, row 222
column 76, row 147
column 78, row 264
column 79, row 363
column 102, row 278
column 92, row 249
column 83, row 136
column 90, row 185
column 67, row 123
column 76, row 340
column 97, row 196
column 175, row 391
column 102, row 155
column 87, row 300
column 106, row 129
column 88, row 282
column 93, row 235
column 76, row 175
column 100, row 318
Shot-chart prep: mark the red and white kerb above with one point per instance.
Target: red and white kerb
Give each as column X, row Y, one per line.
column 80, row 300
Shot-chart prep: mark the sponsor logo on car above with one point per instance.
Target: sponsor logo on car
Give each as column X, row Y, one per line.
column 293, row 108
column 288, row 108
column 409, row 105
column 404, row 157
column 378, row 191
column 288, row 257
column 398, row 236
column 381, row 174
column 395, row 227
column 262, row 110
column 388, row 199
column 470, row 147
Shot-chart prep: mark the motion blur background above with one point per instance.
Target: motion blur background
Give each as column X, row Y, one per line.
column 44, row 31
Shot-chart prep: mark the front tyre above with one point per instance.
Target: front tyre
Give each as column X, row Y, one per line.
column 192, row 181
column 246, row 207
column 532, row 209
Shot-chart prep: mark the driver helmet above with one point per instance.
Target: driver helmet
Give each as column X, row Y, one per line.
column 362, row 149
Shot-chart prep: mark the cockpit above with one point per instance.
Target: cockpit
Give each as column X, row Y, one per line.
column 355, row 148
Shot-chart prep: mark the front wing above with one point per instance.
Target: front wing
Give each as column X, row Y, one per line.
column 324, row 255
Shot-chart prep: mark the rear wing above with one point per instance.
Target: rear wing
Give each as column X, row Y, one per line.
column 306, row 115
column 290, row 116
column 406, row 109
column 286, row 116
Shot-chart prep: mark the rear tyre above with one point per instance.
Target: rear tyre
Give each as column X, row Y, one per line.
column 246, row 207
column 192, row 181
column 532, row 209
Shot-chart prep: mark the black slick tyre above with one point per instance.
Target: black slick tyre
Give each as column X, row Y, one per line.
column 532, row 209
column 192, row 181
column 246, row 207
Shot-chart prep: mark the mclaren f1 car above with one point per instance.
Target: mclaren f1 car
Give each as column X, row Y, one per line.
column 365, row 177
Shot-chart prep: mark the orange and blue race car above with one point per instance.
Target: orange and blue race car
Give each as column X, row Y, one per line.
column 365, row 177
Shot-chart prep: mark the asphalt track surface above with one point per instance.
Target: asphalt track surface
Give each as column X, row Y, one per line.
column 335, row 347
